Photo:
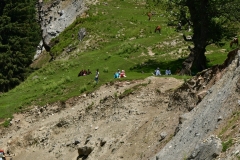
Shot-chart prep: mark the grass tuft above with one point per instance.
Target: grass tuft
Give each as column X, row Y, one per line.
column 227, row 145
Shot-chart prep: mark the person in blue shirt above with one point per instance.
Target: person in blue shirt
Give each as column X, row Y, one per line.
column 116, row 74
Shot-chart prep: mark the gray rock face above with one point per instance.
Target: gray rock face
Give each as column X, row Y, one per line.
column 82, row 33
column 204, row 118
column 207, row 149
column 56, row 16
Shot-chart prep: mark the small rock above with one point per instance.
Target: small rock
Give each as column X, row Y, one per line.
column 102, row 142
column 236, row 152
column 219, row 118
column 197, row 134
column 88, row 139
column 51, row 149
column 9, row 142
column 76, row 142
column 209, row 91
column 163, row 135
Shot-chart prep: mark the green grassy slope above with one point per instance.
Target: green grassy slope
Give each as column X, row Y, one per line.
column 119, row 37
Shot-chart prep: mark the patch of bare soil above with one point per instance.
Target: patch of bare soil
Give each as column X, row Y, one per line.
column 126, row 120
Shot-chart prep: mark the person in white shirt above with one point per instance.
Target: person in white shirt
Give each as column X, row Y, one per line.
column 158, row 72
column 168, row 72
column 97, row 76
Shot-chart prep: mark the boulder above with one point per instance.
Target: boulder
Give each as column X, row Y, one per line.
column 85, row 151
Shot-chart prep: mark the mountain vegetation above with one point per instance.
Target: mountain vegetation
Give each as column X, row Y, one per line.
column 210, row 20
column 119, row 36
column 19, row 36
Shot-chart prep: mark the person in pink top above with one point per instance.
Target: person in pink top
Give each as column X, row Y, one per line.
column 122, row 74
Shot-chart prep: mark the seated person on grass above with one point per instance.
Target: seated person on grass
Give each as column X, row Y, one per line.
column 116, row 74
column 122, row 74
column 168, row 72
column 89, row 72
column 84, row 72
column 157, row 72
column 80, row 73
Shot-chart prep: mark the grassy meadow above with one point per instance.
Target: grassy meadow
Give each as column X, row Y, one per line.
column 119, row 36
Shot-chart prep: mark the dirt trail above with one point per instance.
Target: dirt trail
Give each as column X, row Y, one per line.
column 117, row 128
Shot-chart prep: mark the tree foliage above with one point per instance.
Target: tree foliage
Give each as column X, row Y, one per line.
column 19, row 36
column 211, row 21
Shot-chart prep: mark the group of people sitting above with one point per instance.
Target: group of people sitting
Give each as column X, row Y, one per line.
column 157, row 72
column 119, row 74
column 122, row 74
column 84, row 72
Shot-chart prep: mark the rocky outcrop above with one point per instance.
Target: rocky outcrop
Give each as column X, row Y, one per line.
column 192, row 92
column 219, row 103
column 54, row 17
column 82, row 33
column 207, row 149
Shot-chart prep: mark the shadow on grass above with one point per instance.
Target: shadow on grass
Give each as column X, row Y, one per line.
column 175, row 65
column 152, row 65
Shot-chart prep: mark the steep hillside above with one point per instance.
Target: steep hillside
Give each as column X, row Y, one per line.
column 125, row 120
column 136, row 120
column 131, row 45
column 59, row 115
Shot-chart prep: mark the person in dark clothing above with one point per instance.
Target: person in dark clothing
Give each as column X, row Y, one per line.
column 80, row 73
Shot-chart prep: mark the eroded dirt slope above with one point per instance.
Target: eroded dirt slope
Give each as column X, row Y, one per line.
column 115, row 126
column 159, row 116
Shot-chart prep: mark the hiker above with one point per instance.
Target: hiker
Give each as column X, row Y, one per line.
column 168, row 71
column 122, row 74
column 157, row 72
column 97, row 76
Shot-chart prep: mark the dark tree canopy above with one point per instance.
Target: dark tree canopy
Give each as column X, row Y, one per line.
column 19, row 36
column 211, row 21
